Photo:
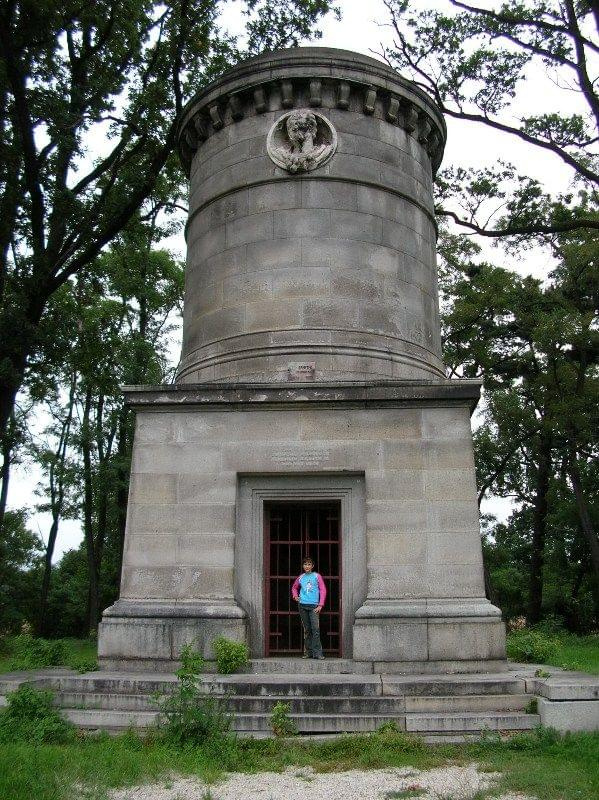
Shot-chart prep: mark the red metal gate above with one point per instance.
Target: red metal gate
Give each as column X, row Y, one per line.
column 293, row 531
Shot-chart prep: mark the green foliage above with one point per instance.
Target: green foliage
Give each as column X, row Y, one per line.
column 192, row 717
column 30, row 717
column 280, row 721
column 20, row 555
column 29, row 652
column 230, row 656
column 532, row 707
column 531, row 646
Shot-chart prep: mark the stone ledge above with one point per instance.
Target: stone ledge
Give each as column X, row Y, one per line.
column 352, row 395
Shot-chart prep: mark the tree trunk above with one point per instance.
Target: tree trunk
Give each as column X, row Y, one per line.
column 539, row 530
column 88, row 499
column 586, row 523
column 5, row 476
column 57, row 491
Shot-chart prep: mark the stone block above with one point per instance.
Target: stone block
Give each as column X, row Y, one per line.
column 150, row 550
column 180, row 518
column 454, row 547
column 174, row 458
column 389, row 640
column 396, row 485
column 356, row 225
column 330, row 312
column 441, row 424
column 153, row 427
column 246, row 288
column 205, row 549
column 229, row 426
column 274, row 253
column 153, row 488
column 275, row 196
column 301, row 456
column 389, row 549
column 387, row 423
column 207, row 242
column 268, row 316
column 291, row 223
column 301, row 282
column 254, row 228
column 453, row 516
column 466, row 639
column 329, row 194
column 569, row 715
column 397, row 516
column 134, row 638
column 450, row 484
column 225, row 322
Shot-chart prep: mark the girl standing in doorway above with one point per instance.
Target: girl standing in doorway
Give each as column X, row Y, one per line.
column 309, row 592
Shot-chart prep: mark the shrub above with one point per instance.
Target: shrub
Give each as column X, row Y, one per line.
column 30, row 717
column 83, row 664
column 230, row 656
column 280, row 721
column 531, row 646
column 29, row 652
column 190, row 716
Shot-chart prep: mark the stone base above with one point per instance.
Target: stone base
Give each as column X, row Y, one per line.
column 149, row 636
column 430, row 635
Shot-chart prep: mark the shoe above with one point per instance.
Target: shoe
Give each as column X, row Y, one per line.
column 319, row 658
column 306, row 656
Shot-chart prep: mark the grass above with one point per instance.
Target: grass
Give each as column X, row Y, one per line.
column 541, row 764
column 78, row 651
column 578, row 653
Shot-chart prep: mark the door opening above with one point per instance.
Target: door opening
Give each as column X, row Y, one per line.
column 293, row 531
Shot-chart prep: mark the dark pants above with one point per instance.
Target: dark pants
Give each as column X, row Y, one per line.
column 311, row 622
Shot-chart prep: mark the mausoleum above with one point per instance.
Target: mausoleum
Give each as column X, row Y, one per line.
column 311, row 414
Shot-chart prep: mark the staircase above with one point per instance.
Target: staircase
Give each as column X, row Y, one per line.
column 324, row 698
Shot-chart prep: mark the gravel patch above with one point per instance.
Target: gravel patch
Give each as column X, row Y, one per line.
column 297, row 783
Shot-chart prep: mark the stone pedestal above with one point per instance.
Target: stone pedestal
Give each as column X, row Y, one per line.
column 311, row 368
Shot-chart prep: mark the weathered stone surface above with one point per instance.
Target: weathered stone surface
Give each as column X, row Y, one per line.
column 569, row 715
column 311, row 370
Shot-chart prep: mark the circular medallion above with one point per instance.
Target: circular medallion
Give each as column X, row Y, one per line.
column 301, row 140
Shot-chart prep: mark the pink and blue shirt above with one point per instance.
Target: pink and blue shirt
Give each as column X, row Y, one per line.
column 309, row 589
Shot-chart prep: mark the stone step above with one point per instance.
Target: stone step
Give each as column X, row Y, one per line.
column 454, row 724
column 306, row 705
column 472, row 702
column 464, row 722
column 329, row 666
column 297, row 685
column 111, row 720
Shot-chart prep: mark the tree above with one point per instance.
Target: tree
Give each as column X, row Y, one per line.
column 72, row 75
column 537, row 348
column 472, row 62
column 20, row 552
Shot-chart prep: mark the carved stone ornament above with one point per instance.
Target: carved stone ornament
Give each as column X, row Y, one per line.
column 301, row 140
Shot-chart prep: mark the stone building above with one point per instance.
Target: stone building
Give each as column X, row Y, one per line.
column 311, row 413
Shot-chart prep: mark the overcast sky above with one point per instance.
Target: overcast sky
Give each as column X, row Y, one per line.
column 362, row 29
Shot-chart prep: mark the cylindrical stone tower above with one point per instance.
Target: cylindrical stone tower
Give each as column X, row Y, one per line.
column 327, row 258
column 311, row 414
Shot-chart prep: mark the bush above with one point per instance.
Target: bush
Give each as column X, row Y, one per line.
column 280, row 721
column 29, row 652
column 30, row 717
column 190, row 716
column 230, row 656
column 531, row 646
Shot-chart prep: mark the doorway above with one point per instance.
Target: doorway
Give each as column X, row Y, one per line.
column 293, row 531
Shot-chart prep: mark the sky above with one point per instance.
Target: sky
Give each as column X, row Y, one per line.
column 468, row 145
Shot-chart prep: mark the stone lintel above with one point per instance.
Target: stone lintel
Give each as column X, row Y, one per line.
column 350, row 395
